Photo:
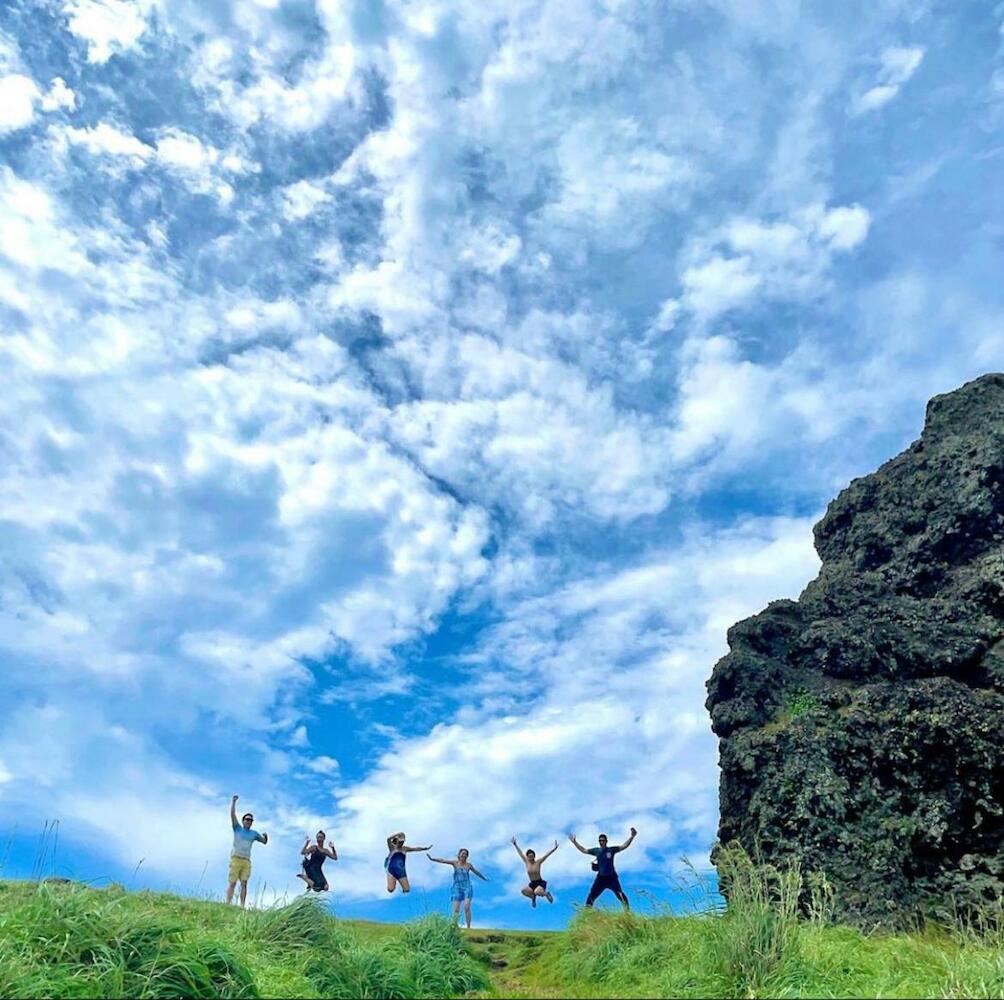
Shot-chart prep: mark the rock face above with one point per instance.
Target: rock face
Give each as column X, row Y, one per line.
column 862, row 727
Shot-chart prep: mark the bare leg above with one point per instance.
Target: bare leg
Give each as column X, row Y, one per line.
column 456, row 910
column 391, row 883
column 244, row 892
column 467, row 912
column 550, row 898
column 230, row 892
column 405, row 884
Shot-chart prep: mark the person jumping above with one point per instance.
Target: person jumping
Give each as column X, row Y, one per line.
column 394, row 864
column 462, row 891
column 606, row 874
column 537, row 886
column 314, row 856
column 240, row 855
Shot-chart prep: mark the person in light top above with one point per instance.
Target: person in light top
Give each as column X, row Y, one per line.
column 240, row 855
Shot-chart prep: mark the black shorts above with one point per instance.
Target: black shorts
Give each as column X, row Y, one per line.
column 600, row 885
column 538, row 883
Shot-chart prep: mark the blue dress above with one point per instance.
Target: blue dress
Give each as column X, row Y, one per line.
column 394, row 863
column 462, row 888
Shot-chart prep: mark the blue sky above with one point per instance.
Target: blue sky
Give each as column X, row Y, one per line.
column 402, row 399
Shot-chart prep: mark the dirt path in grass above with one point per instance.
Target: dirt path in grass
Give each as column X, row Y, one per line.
column 517, row 964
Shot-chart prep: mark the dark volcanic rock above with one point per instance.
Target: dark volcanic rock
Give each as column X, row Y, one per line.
column 861, row 726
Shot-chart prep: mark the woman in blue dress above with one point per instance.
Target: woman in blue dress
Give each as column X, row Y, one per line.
column 461, row 891
column 394, row 864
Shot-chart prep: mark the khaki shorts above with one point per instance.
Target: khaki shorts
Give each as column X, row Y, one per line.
column 240, row 869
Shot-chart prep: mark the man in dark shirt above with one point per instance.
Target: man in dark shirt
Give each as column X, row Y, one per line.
column 606, row 874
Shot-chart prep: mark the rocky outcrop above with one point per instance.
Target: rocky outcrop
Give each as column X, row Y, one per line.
column 862, row 726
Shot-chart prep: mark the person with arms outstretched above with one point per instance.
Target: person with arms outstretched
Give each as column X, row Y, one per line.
column 314, row 856
column 606, row 873
column 537, row 886
column 240, row 855
column 394, row 864
column 461, row 891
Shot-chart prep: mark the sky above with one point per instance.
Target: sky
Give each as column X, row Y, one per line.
column 400, row 401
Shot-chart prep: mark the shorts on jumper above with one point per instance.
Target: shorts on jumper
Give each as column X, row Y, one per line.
column 240, row 869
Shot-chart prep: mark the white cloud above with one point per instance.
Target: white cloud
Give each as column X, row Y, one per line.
column 30, row 233
column 748, row 260
column 185, row 155
column 507, row 438
column 59, row 96
column 720, row 284
column 300, row 199
column 108, row 26
column 323, row 765
column 18, row 95
column 197, row 163
column 611, row 177
column 898, row 64
column 105, row 139
column 185, row 152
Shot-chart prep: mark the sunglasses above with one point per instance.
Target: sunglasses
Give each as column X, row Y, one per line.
column 248, row 816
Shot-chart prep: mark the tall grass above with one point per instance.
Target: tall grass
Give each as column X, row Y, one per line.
column 71, row 941
column 774, row 939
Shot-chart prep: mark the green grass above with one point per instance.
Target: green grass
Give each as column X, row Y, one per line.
column 622, row 955
column 73, row 941
column 774, row 940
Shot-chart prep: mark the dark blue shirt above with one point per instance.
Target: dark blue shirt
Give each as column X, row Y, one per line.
column 604, row 859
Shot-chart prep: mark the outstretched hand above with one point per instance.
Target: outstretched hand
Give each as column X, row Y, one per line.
column 556, row 845
column 513, row 841
column 634, row 832
column 571, row 837
column 234, row 798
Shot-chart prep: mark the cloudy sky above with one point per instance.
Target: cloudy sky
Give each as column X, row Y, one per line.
column 400, row 399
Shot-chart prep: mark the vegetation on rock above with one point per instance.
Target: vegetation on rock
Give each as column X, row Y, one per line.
column 860, row 726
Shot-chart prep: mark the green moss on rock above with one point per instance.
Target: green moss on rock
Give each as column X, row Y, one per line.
column 861, row 725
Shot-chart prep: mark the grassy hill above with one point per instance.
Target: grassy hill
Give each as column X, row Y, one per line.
column 73, row 941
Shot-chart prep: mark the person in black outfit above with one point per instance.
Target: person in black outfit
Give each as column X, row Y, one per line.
column 314, row 856
column 606, row 874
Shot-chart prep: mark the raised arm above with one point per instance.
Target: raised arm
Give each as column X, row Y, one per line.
column 476, row 872
column 331, row 852
column 522, row 856
column 233, row 810
column 306, row 847
column 428, row 847
column 441, row 861
column 578, row 846
column 627, row 843
column 549, row 853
